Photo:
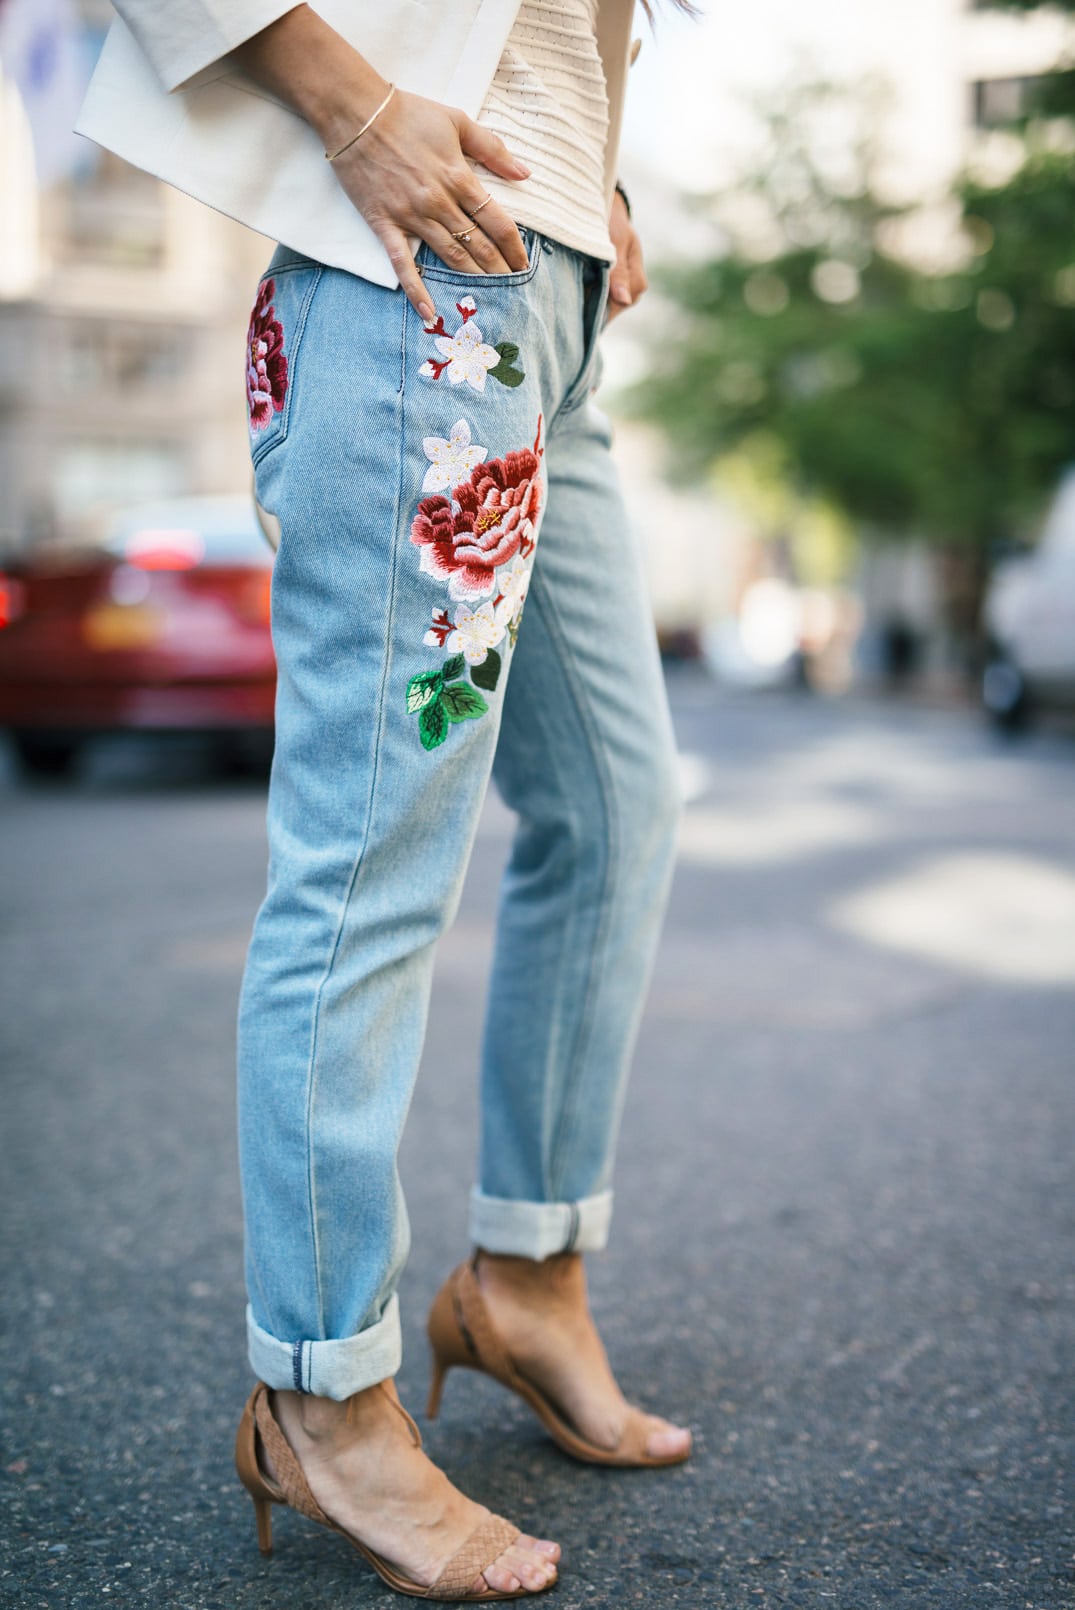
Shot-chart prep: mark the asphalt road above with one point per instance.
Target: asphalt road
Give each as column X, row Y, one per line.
column 843, row 1249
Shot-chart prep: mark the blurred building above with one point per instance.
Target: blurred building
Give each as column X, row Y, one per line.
column 123, row 311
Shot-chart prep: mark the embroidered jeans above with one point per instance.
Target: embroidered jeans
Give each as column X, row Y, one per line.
column 458, row 592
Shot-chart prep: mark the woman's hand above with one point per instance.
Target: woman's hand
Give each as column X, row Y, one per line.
column 408, row 174
column 628, row 279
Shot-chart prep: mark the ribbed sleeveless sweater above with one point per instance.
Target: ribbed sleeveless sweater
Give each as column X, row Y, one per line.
column 549, row 104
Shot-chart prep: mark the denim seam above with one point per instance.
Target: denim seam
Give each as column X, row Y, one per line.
column 571, row 1077
column 258, row 454
column 580, row 391
column 360, row 852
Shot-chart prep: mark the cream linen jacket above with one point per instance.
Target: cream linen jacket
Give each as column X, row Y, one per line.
column 168, row 98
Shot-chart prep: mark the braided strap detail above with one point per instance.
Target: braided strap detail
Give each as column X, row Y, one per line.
column 485, row 1544
column 289, row 1476
column 477, row 1325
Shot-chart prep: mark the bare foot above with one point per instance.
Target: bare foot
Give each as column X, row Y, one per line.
column 542, row 1313
column 369, row 1477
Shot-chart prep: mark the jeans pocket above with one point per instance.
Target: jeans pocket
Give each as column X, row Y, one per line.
column 432, row 267
column 274, row 339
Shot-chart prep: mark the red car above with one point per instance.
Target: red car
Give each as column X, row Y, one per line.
column 166, row 627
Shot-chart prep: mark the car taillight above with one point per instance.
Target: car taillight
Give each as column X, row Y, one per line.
column 12, row 600
column 165, row 550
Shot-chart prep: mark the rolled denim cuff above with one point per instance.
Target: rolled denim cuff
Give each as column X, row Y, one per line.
column 539, row 1229
column 328, row 1369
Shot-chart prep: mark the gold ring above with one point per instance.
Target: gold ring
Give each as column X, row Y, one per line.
column 461, row 234
column 479, row 207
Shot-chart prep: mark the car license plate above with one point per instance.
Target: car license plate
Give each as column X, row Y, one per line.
column 120, row 626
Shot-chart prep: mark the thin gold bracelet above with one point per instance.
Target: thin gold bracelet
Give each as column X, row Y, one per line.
column 330, row 156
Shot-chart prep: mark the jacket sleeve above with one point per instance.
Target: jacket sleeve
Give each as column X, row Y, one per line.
column 183, row 37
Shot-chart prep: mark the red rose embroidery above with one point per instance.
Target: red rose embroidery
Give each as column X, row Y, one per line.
column 266, row 362
column 495, row 518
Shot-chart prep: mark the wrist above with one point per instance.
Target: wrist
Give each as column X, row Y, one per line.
column 337, row 106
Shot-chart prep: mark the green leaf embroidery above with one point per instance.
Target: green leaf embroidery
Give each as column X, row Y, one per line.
column 487, row 673
column 452, row 667
column 461, row 702
column 422, row 688
column 505, row 370
column 433, row 724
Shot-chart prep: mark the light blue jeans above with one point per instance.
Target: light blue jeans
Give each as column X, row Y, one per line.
column 458, row 591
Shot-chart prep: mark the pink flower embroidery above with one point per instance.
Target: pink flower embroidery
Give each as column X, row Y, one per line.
column 495, row 518
column 266, row 362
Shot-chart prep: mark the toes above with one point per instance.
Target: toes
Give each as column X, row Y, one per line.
column 538, row 1545
column 499, row 1578
column 667, row 1440
column 521, row 1566
column 534, row 1570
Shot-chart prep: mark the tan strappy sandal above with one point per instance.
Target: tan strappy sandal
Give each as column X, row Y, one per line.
column 484, row 1545
column 462, row 1333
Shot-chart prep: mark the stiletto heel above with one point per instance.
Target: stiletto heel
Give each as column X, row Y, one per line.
column 436, row 1386
column 263, row 1514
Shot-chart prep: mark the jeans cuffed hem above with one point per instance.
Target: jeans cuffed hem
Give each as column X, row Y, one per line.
column 328, row 1369
column 539, row 1229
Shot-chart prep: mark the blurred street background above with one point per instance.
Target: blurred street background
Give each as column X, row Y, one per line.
column 845, row 417
column 844, row 1198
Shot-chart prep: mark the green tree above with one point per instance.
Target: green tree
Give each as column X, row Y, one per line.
column 938, row 404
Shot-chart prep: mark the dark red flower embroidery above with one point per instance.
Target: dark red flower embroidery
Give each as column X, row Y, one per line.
column 266, row 362
column 495, row 518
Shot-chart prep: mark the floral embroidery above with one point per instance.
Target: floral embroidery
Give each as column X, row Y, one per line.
column 476, row 632
column 465, row 356
column 266, row 361
column 492, row 517
column 513, row 582
column 481, row 541
column 437, row 635
column 451, row 460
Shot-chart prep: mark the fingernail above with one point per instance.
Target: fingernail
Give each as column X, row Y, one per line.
column 620, row 293
column 521, row 169
column 428, row 311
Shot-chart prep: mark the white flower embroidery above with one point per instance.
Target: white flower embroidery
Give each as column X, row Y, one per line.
column 512, row 582
column 440, row 629
column 450, row 461
column 476, row 632
column 469, row 357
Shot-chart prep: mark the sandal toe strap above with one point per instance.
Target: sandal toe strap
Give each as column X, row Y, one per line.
column 485, row 1544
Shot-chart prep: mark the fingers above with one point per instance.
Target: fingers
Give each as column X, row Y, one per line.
column 627, row 280
column 494, row 222
column 468, row 250
column 489, row 149
column 395, row 244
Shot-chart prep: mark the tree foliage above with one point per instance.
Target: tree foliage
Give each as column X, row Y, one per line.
column 935, row 402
